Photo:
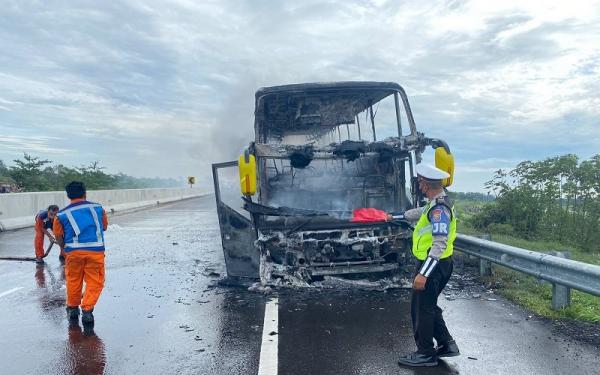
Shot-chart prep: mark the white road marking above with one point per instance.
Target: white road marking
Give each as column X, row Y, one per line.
column 267, row 364
column 10, row 291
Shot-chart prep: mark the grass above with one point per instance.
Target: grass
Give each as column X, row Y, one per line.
column 537, row 296
column 466, row 209
column 528, row 291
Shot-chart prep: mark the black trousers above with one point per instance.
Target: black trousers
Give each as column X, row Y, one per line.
column 427, row 319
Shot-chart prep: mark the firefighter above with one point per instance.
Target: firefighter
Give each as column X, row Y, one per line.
column 433, row 240
column 43, row 223
column 79, row 229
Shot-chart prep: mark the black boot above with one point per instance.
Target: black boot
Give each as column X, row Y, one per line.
column 418, row 360
column 61, row 259
column 73, row 313
column 449, row 349
column 87, row 317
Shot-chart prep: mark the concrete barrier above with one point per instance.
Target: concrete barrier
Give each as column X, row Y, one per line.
column 18, row 210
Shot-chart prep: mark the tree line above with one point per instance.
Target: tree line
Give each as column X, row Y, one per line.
column 555, row 199
column 470, row 196
column 32, row 173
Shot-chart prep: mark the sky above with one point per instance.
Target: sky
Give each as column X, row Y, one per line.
column 157, row 88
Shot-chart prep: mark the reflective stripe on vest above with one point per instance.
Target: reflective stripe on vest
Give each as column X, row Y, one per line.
column 423, row 239
column 82, row 227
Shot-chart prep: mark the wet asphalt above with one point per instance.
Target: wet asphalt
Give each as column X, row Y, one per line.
column 163, row 312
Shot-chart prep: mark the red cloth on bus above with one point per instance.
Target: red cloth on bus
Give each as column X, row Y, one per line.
column 367, row 215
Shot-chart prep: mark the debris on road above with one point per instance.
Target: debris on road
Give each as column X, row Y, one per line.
column 331, row 282
column 465, row 285
column 382, row 284
column 258, row 287
column 210, row 272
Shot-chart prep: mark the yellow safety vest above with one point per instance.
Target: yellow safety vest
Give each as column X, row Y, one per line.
column 423, row 237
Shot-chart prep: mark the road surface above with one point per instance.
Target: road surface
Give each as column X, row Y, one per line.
column 163, row 312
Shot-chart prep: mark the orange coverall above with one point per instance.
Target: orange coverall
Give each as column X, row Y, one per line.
column 83, row 266
column 38, row 241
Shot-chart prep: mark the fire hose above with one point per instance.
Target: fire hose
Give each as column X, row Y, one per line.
column 29, row 258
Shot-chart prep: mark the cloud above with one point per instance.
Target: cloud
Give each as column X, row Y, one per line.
column 165, row 88
column 37, row 145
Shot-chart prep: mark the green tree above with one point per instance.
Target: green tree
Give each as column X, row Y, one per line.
column 27, row 173
column 554, row 199
column 95, row 178
column 34, row 174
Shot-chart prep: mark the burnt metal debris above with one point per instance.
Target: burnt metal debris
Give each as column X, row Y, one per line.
column 310, row 180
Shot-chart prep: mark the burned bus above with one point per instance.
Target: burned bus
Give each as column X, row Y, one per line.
column 322, row 150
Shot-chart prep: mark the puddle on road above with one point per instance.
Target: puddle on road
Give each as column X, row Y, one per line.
column 50, row 288
column 84, row 352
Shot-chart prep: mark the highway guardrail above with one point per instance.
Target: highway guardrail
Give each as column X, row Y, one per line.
column 563, row 273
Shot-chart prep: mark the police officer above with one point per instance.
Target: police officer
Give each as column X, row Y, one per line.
column 433, row 240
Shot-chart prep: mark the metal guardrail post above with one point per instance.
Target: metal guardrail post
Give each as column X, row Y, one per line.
column 485, row 266
column 561, row 294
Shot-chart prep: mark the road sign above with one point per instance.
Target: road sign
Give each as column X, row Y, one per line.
column 191, row 180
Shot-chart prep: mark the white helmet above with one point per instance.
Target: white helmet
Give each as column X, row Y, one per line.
column 429, row 172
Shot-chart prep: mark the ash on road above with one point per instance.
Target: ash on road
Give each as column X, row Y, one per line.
column 162, row 312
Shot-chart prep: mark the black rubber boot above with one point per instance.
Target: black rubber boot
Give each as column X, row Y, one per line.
column 418, row 360
column 73, row 313
column 449, row 349
column 87, row 317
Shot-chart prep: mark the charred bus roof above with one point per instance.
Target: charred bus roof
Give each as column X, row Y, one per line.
column 298, row 108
